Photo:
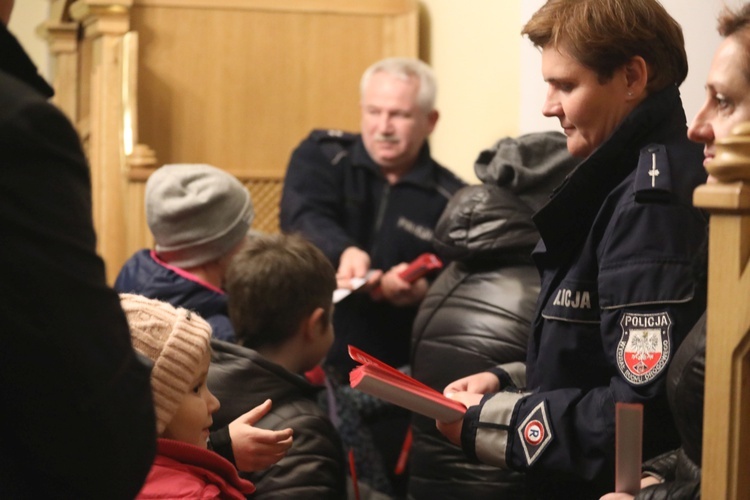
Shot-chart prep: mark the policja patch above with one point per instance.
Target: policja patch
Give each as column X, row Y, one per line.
column 644, row 348
column 535, row 433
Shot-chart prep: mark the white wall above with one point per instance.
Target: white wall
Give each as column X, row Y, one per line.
column 697, row 18
column 26, row 16
column 472, row 46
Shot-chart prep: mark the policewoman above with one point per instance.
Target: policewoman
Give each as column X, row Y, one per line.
column 619, row 242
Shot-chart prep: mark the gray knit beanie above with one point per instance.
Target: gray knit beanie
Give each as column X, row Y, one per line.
column 176, row 340
column 197, row 213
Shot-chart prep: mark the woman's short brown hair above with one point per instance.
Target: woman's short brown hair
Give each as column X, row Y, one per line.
column 736, row 23
column 605, row 34
column 273, row 284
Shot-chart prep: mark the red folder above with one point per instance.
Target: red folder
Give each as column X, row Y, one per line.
column 383, row 381
column 628, row 447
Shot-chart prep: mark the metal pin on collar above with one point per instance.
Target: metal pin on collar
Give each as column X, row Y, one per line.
column 653, row 172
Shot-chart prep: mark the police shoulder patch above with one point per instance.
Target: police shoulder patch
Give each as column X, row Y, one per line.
column 535, row 433
column 644, row 347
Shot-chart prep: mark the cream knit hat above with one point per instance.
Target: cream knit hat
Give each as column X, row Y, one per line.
column 176, row 340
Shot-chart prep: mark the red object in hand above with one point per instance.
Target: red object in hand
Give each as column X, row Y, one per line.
column 419, row 267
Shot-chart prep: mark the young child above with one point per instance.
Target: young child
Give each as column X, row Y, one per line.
column 280, row 291
column 177, row 341
column 199, row 216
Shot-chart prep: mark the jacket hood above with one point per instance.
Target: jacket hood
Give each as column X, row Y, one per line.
column 530, row 165
column 492, row 221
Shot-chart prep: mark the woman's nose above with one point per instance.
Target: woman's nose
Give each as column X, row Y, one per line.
column 551, row 106
column 700, row 130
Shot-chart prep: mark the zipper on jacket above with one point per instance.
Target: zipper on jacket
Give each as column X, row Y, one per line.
column 379, row 219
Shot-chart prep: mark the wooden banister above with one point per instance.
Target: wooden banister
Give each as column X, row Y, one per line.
column 726, row 434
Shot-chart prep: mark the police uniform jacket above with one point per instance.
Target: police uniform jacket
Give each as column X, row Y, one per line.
column 477, row 314
column 337, row 197
column 314, row 467
column 618, row 295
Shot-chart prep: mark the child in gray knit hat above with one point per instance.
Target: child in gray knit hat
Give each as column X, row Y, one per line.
column 197, row 213
column 199, row 216
column 177, row 341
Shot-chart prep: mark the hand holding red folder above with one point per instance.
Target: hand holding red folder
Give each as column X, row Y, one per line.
column 418, row 268
column 381, row 380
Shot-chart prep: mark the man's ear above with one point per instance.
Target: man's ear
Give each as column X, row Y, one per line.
column 432, row 119
column 315, row 324
column 636, row 75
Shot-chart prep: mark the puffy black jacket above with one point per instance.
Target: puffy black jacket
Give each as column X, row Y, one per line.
column 477, row 314
column 313, row 468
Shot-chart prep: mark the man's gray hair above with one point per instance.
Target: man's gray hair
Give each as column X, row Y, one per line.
column 405, row 68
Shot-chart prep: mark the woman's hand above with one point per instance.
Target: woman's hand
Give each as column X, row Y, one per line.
column 452, row 430
column 479, row 383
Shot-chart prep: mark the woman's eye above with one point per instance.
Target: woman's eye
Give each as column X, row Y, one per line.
column 721, row 101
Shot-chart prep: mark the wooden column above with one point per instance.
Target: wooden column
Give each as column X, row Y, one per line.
column 62, row 38
column 726, row 435
column 100, row 119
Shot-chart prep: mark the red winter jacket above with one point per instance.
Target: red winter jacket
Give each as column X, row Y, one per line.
column 182, row 470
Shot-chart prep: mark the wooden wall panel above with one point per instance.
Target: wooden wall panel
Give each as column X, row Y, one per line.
column 233, row 83
column 280, row 74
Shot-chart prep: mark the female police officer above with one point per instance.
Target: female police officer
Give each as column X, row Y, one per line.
column 677, row 474
column 618, row 241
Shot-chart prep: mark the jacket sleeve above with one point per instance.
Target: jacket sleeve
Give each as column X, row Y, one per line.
column 312, row 200
column 681, row 477
column 313, row 468
column 662, row 466
column 82, row 417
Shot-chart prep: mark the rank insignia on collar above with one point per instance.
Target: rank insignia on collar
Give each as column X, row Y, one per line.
column 535, row 433
column 644, row 348
column 653, row 176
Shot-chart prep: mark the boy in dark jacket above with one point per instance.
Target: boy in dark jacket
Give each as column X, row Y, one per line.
column 280, row 291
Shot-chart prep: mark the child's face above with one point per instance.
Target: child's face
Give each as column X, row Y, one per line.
column 192, row 420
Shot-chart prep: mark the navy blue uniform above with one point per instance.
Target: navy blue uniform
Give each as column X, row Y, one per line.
column 619, row 294
column 337, row 197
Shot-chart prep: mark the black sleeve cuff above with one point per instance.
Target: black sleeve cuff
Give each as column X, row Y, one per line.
column 220, row 442
column 505, row 380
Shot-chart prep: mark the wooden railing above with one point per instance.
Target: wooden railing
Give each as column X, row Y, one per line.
column 726, row 435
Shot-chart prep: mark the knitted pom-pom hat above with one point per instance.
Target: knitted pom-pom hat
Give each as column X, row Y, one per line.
column 197, row 213
column 176, row 340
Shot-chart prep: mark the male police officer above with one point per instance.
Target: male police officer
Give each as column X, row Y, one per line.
column 370, row 202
